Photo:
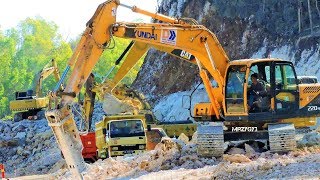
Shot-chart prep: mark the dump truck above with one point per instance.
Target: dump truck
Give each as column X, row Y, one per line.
column 117, row 134
column 106, row 142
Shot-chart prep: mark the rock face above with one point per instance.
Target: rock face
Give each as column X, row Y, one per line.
column 244, row 28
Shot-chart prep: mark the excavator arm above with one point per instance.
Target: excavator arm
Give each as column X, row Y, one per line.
column 171, row 34
column 136, row 51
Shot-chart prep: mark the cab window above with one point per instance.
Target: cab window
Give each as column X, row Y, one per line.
column 285, row 77
column 234, row 89
column 253, row 70
column 267, row 70
column 263, row 71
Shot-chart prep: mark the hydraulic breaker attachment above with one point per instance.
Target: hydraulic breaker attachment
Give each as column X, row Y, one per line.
column 66, row 133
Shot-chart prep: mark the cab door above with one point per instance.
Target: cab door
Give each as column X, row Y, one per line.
column 234, row 90
column 285, row 89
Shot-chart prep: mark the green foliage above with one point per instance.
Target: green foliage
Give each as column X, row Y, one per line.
column 24, row 52
column 26, row 49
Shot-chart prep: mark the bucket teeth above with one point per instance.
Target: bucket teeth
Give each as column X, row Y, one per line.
column 210, row 141
column 281, row 137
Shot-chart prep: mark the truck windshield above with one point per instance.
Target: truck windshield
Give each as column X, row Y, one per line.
column 126, row 128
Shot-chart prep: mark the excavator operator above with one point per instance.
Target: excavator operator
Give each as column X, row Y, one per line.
column 256, row 91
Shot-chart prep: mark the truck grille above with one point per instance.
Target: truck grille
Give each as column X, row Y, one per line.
column 124, row 148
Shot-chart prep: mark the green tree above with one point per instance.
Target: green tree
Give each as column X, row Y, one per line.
column 24, row 52
column 8, row 43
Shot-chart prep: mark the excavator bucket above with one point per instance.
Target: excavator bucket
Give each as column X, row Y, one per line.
column 210, row 140
column 112, row 105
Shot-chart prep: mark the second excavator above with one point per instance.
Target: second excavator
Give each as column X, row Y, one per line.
column 28, row 104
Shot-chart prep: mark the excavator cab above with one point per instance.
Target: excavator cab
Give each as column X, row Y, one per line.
column 263, row 100
column 278, row 97
column 24, row 94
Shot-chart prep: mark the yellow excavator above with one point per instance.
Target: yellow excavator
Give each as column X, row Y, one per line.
column 227, row 116
column 28, row 104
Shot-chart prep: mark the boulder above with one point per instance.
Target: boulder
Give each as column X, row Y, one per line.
column 184, row 138
column 236, row 158
column 7, row 130
column 21, row 135
column 19, row 128
column 310, row 139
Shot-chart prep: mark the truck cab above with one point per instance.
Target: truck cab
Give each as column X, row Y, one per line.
column 118, row 136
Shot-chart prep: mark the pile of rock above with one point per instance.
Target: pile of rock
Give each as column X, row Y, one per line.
column 27, row 147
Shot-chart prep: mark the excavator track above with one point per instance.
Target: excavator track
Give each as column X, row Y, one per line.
column 210, row 140
column 281, row 137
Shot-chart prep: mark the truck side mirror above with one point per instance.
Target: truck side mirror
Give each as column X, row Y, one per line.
column 149, row 127
column 104, row 131
column 186, row 102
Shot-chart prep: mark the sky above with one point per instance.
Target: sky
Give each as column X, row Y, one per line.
column 70, row 15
